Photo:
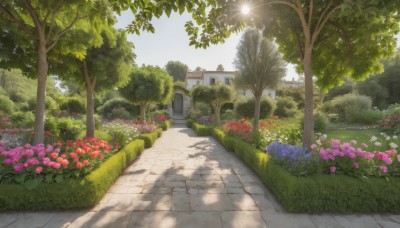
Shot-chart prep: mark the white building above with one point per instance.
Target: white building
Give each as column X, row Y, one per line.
column 211, row 77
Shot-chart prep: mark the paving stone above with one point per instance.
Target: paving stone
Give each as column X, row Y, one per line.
column 179, row 189
column 246, row 178
column 211, row 177
column 211, row 202
column 8, row 218
column 102, row 219
column 160, row 219
column 196, row 184
column 198, row 219
column 217, row 190
column 277, row 220
column 180, row 201
column 263, row 203
column 63, row 220
column 175, row 178
column 236, row 190
column 243, row 202
column 34, row 219
column 385, row 221
column 325, row 221
column 356, row 221
column 175, row 184
column 232, row 184
column 230, row 177
column 240, row 219
column 253, row 188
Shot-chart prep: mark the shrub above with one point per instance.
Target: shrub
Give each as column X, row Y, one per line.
column 349, row 105
column 241, row 129
column 287, row 135
column 69, row 128
column 121, row 131
column 50, row 125
column 73, row 193
column 22, row 119
column 6, row 104
column 97, row 134
column 202, row 130
column 245, row 107
column 229, row 114
column 150, row 138
column 120, row 106
column 285, row 107
column 167, row 124
column 74, row 105
column 189, row 123
column 198, row 110
column 320, row 122
column 367, row 117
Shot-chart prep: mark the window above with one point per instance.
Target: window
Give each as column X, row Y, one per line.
column 227, row 81
column 212, row 81
column 198, row 82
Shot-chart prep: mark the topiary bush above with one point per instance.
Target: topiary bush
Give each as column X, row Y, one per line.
column 6, row 104
column 348, row 106
column 118, row 108
column 229, row 114
column 74, row 105
column 69, row 128
column 22, row 119
column 285, row 107
column 245, row 107
column 321, row 122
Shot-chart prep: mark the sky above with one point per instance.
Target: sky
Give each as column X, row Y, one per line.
column 171, row 42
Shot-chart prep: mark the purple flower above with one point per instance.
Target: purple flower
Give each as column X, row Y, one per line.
column 19, row 167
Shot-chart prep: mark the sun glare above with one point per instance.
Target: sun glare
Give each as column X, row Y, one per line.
column 245, row 9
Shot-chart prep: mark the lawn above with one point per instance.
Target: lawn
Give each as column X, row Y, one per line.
column 362, row 136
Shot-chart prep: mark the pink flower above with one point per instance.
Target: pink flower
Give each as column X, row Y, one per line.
column 332, row 169
column 19, row 167
column 39, row 169
column 383, row 169
column 356, row 165
column 313, row 147
column 9, row 161
column 388, row 161
column 398, row 157
column 364, row 145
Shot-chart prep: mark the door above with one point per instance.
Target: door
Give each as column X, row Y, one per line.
column 178, row 103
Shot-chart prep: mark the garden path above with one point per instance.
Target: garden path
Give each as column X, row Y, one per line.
column 189, row 181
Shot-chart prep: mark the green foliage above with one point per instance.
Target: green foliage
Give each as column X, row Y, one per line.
column 69, row 128
column 297, row 93
column 229, row 114
column 74, row 105
column 320, row 122
column 177, row 70
column 202, row 130
column 201, row 93
column 112, row 109
column 167, row 124
column 22, row 119
column 150, row 138
column 349, row 105
column 336, row 91
column 367, row 117
column 98, row 134
column 285, row 107
column 6, row 104
column 71, row 194
column 189, row 123
column 198, row 110
column 330, row 193
column 245, row 107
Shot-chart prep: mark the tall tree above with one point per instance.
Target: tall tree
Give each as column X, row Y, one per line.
column 148, row 85
column 104, row 68
column 220, row 67
column 199, row 69
column 37, row 27
column 177, row 70
column 217, row 95
column 260, row 66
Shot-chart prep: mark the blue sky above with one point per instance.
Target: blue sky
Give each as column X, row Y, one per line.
column 171, row 42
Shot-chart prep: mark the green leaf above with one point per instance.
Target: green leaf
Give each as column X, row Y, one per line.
column 59, row 178
column 49, row 178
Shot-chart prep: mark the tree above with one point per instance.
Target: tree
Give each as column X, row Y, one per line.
column 325, row 39
column 148, row 85
column 220, row 67
column 217, row 95
column 36, row 28
column 260, row 66
column 104, row 68
column 177, row 70
column 199, row 69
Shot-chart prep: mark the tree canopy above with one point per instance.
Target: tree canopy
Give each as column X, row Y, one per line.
column 148, row 85
column 177, row 70
column 220, row 67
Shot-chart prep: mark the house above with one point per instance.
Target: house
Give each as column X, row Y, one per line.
column 182, row 101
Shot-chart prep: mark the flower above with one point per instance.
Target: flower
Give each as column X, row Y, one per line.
column 19, row 167
column 353, row 142
column 47, row 134
column 313, row 147
column 39, row 169
column 394, row 137
column 86, row 162
column 377, row 144
column 332, row 169
column 356, row 165
column 373, row 138
column 79, row 165
column 383, row 169
column 393, row 145
column 364, row 145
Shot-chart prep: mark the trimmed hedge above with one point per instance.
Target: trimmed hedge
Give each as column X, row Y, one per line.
column 202, row 130
column 150, row 138
column 71, row 194
column 165, row 125
column 189, row 123
column 322, row 193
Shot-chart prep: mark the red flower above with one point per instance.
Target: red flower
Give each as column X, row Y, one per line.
column 79, row 165
column 47, row 134
column 86, row 162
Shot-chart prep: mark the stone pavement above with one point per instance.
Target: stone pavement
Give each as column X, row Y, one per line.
column 189, row 181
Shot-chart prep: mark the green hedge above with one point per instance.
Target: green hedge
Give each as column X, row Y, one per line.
column 98, row 134
column 72, row 194
column 202, row 130
column 189, row 123
column 165, row 125
column 150, row 138
column 322, row 193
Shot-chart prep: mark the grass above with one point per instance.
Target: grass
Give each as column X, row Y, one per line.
column 358, row 135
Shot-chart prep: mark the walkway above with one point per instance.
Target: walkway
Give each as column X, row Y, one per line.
column 188, row 181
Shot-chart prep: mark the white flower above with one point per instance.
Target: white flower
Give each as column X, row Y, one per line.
column 394, row 136
column 393, row 145
column 373, row 138
column 388, row 138
column 324, row 136
column 319, row 142
column 377, row 144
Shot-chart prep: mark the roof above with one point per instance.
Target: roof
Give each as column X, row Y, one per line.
column 195, row 75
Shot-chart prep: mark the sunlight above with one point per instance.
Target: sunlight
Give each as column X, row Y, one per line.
column 245, row 9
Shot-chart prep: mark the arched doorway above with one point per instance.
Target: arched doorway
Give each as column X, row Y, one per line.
column 178, row 104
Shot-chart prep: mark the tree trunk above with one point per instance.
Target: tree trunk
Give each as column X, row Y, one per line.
column 256, row 121
column 308, row 108
column 143, row 112
column 41, row 93
column 90, row 123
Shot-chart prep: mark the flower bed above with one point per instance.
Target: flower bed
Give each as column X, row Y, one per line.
column 320, row 193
